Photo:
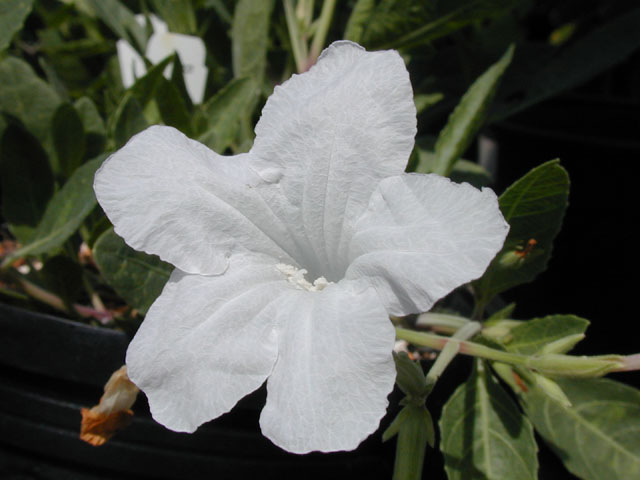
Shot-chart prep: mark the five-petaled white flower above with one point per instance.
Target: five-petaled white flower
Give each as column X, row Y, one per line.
column 321, row 194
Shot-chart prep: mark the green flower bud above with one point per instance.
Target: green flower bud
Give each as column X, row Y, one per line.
column 557, row 365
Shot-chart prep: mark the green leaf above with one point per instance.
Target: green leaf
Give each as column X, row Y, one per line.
column 12, row 15
column 144, row 88
column 135, row 276
column 373, row 24
column 468, row 116
column 121, row 21
column 470, row 172
column 250, row 38
column 224, row 111
column 424, row 101
column 180, row 16
column 127, row 120
column 503, row 313
column 427, row 28
column 534, row 207
column 599, row 436
column 26, row 180
column 68, row 138
column 484, row 435
column 93, row 125
column 531, row 336
column 571, row 65
column 173, row 109
column 359, row 19
column 28, row 98
column 65, row 212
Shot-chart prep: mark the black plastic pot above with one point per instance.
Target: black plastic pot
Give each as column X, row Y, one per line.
column 51, row 367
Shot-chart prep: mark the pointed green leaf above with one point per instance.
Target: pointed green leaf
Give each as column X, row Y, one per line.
column 144, row 88
column 534, row 207
column 173, row 109
column 599, row 436
column 223, row 112
column 26, row 180
column 128, row 120
column 135, row 276
column 470, row 172
column 443, row 22
column 65, row 212
column 531, row 336
column 359, row 19
column 374, row 24
column 425, row 101
column 121, row 21
column 571, row 65
column 503, row 313
column 93, row 126
column 180, row 16
column 12, row 15
column 28, row 98
column 468, row 116
column 250, row 38
column 68, row 138
column 484, row 435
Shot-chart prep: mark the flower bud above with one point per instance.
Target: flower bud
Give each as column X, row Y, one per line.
column 558, row 365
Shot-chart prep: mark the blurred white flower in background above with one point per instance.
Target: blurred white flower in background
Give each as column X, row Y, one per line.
column 162, row 43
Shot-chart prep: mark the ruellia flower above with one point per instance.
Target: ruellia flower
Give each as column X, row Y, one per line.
column 289, row 259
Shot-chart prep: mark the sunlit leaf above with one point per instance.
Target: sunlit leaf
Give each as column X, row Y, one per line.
column 484, row 435
column 530, row 336
column 65, row 212
column 534, row 207
column 599, row 436
column 224, row 111
column 468, row 117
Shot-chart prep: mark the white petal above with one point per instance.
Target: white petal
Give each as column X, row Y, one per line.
column 207, row 342
column 171, row 196
column 329, row 388
column 131, row 64
column 333, row 133
column 422, row 236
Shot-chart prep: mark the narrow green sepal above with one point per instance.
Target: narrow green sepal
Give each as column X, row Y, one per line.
column 552, row 390
column 410, row 377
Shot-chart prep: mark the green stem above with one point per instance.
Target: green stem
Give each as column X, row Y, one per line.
column 438, row 342
column 298, row 46
column 320, row 35
column 451, row 349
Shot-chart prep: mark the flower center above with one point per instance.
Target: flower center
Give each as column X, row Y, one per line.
column 295, row 276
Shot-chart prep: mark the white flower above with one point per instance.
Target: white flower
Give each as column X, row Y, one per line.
column 161, row 44
column 323, row 190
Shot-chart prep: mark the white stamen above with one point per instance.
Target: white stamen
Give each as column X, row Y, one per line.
column 295, row 276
